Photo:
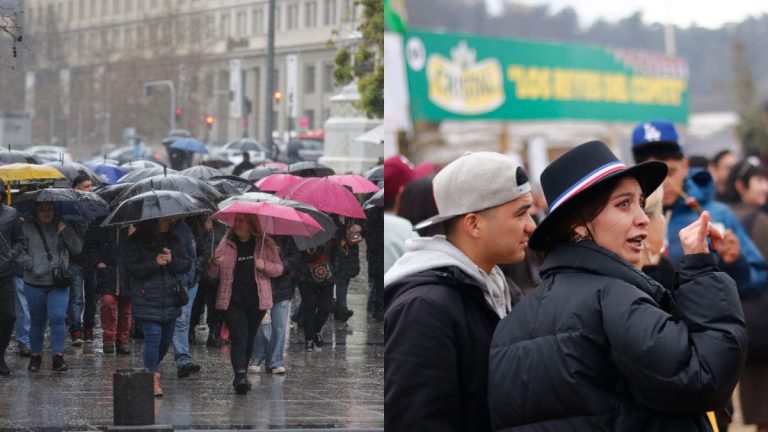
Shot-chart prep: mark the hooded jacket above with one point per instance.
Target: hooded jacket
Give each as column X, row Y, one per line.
column 600, row 346
column 12, row 241
column 749, row 271
column 38, row 271
column 437, row 332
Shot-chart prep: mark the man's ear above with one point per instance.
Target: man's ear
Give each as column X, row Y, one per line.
column 471, row 224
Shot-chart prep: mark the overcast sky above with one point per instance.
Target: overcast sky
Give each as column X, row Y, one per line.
column 680, row 12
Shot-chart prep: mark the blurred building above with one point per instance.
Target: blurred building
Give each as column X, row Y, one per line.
column 87, row 61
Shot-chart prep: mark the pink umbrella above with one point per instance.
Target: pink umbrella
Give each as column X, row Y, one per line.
column 325, row 195
column 275, row 182
column 359, row 184
column 274, row 219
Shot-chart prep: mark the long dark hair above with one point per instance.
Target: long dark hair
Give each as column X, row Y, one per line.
column 417, row 203
column 742, row 171
column 147, row 236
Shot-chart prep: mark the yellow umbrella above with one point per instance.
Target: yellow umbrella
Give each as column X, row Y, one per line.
column 27, row 173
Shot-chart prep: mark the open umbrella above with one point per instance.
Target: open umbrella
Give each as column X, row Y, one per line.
column 108, row 173
column 377, row 200
column 325, row 195
column 139, row 164
column 375, row 174
column 310, row 169
column 359, row 184
column 242, row 184
column 302, row 242
column 72, row 170
column 191, row 145
column 274, row 165
column 18, row 156
column 154, row 205
column 175, row 182
column 28, row 173
column 276, row 182
column 141, row 174
column 273, row 218
column 110, row 192
column 259, row 173
column 70, row 204
column 216, row 162
column 201, row 172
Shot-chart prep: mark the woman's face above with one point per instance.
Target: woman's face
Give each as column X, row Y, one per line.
column 756, row 192
column 163, row 225
column 622, row 226
column 241, row 228
column 45, row 212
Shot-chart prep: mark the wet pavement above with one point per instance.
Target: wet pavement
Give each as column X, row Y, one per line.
column 340, row 386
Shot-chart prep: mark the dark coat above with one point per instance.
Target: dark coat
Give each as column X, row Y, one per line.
column 12, row 240
column 284, row 286
column 600, row 346
column 203, row 245
column 326, row 251
column 347, row 261
column 101, row 244
column 151, row 285
column 437, row 333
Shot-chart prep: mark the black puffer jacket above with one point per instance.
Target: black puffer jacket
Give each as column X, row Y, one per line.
column 284, row 286
column 600, row 346
column 101, row 244
column 347, row 260
column 437, row 332
column 12, row 240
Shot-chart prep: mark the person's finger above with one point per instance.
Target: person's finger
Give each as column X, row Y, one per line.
column 704, row 225
column 716, row 234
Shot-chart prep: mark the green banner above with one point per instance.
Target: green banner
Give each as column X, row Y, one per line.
column 468, row 77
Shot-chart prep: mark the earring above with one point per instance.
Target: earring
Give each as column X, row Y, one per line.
column 577, row 237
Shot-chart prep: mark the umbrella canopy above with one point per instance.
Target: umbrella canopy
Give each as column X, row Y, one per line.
column 70, row 204
column 246, row 144
column 260, row 173
column 375, row 174
column 191, row 186
column 302, row 242
column 201, row 172
column 109, row 193
column 325, row 195
column 359, row 184
column 240, row 183
column 310, row 169
column 216, row 162
column 274, row 219
column 274, row 165
column 189, row 145
column 377, row 200
column 18, row 156
column 28, row 173
column 154, row 205
column 276, row 182
column 107, row 173
column 139, row 164
column 72, row 170
column 141, row 174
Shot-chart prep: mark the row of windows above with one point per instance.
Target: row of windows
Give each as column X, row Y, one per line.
column 38, row 16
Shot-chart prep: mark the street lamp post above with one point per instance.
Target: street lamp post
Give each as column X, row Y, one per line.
column 169, row 83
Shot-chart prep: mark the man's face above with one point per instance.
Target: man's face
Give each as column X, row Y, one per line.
column 675, row 181
column 85, row 186
column 723, row 168
column 508, row 228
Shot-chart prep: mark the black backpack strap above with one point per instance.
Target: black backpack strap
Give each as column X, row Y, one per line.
column 45, row 243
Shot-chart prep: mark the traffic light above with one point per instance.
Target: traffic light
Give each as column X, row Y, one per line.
column 278, row 96
column 179, row 112
column 248, row 106
column 209, row 121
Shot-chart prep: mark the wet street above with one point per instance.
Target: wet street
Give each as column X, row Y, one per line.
column 340, row 386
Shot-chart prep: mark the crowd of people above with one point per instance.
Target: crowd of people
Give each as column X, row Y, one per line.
column 155, row 277
column 605, row 296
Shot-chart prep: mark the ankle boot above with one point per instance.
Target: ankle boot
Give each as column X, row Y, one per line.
column 4, row 370
column 158, row 391
column 35, row 361
column 241, row 383
column 59, row 365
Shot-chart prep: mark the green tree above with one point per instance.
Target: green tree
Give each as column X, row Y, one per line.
column 366, row 65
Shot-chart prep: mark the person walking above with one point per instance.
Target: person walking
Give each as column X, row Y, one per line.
column 315, row 280
column 347, row 265
column 155, row 260
column 446, row 294
column 12, row 245
column 599, row 345
column 80, row 270
column 185, row 367
column 47, row 280
column 245, row 260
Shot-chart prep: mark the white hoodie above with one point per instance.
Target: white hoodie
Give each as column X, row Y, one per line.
column 426, row 253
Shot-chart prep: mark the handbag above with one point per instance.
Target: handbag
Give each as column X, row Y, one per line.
column 62, row 277
column 320, row 270
column 180, row 295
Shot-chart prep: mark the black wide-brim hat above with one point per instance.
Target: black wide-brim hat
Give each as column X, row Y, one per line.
column 568, row 179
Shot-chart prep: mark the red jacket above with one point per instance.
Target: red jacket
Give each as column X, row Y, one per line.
column 227, row 250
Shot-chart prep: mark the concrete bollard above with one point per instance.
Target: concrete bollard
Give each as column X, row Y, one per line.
column 132, row 397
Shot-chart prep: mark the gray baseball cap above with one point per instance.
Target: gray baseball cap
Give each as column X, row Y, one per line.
column 475, row 182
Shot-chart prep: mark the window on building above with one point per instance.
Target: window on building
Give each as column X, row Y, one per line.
column 225, row 26
column 70, row 10
column 309, row 79
column 151, row 34
column 140, row 5
column 258, row 21
column 116, row 7
column 349, row 10
column 310, row 115
column 329, row 12
column 59, row 11
column 210, row 26
column 104, row 7
column 292, row 17
column 195, row 30
column 328, row 82
column 128, row 41
column 128, row 6
column 240, row 24
column 80, row 9
column 80, row 42
column 141, row 36
column 153, row 4
column 310, row 15
column 116, row 42
column 93, row 8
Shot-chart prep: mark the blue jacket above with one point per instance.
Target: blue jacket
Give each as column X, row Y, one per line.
column 749, row 271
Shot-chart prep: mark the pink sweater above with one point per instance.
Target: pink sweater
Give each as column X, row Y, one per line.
column 273, row 267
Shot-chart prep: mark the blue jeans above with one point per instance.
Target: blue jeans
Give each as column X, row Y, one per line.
column 157, row 341
column 270, row 339
column 22, row 313
column 76, row 298
column 181, row 334
column 47, row 304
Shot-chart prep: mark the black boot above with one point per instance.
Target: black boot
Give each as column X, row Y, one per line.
column 59, row 365
column 309, row 345
column 319, row 340
column 4, row 370
column 343, row 314
column 241, row 383
column 35, row 361
column 213, row 336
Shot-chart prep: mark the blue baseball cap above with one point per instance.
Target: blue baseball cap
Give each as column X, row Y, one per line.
column 654, row 132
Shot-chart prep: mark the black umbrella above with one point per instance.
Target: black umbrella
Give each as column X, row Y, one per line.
column 310, row 169
column 139, row 164
column 259, row 173
column 18, row 156
column 377, row 200
column 141, row 174
column 175, row 182
column 72, row 170
column 70, row 204
column 225, row 187
column 201, row 172
column 217, row 162
column 109, row 193
column 154, row 205
column 322, row 237
column 375, row 174
column 240, row 183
